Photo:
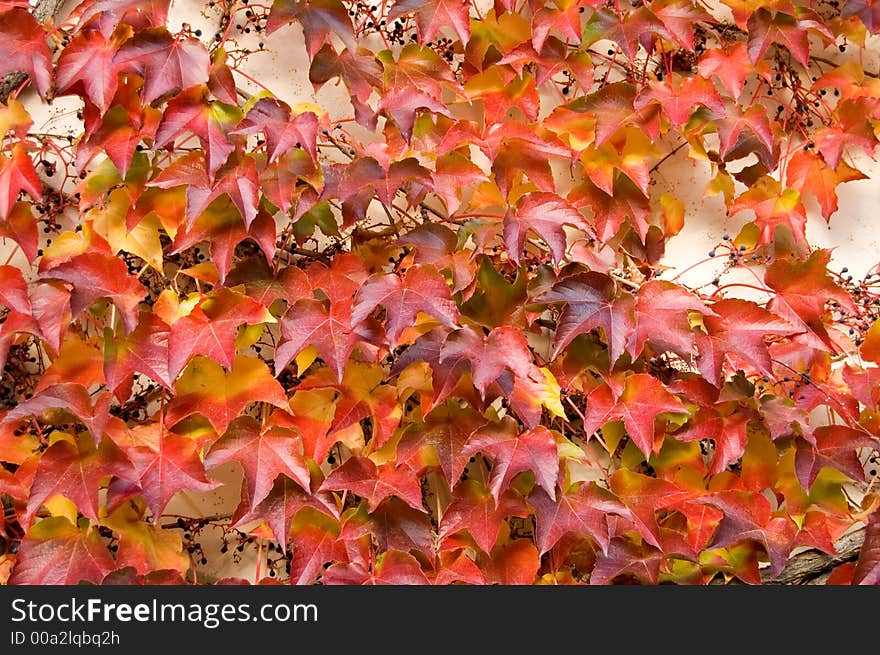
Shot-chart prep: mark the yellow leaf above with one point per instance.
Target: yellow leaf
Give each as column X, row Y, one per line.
column 13, row 116
column 673, row 214
column 305, row 358
column 144, row 546
column 871, row 345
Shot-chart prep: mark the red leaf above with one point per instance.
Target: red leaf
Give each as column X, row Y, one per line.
column 145, row 351
column 432, row 15
column 97, row 275
column 77, row 472
column 638, row 403
column 421, row 289
column 546, row 214
column 474, row 509
column 591, row 303
column 581, row 512
column 17, row 174
column 318, row 19
column 206, row 389
column 748, row 516
column 210, row 329
column 738, row 328
column 513, row 452
column 732, row 67
column 56, row 552
column 273, row 118
column 23, row 48
column 167, row 463
column 625, row 557
column 836, row 446
column 645, row 496
column 14, row 290
column 513, row 563
column 868, row 567
column 803, row 287
column 263, row 454
column 211, row 122
column 678, row 97
column 809, row 172
column 167, row 64
column 88, row 60
column 361, row 476
column 309, row 323
column 392, row 568
column 281, row 505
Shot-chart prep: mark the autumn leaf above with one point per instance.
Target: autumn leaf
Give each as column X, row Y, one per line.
column 24, row 48
column 205, row 388
column 421, row 289
column 17, row 174
column 56, row 552
column 637, row 402
column 166, row 64
column 809, row 172
column 546, row 214
column 77, row 471
column 474, row 509
column 591, row 303
column 513, row 453
column 263, row 454
column 361, row 476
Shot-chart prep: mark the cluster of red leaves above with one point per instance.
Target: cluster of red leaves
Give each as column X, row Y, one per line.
column 435, row 336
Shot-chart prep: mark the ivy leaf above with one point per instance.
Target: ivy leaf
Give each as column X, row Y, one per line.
column 432, row 15
column 835, row 446
column 17, row 174
column 310, row 323
column 76, row 471
column 56, row 552
column 868, row 566
column 623, row 556
column 206, row 389
column 645, row 496
column 564, row 18
column 211, row 122
column 362, row 477
column 95, row 275
column 14, row 290
column 144, row 547
column 662, row 318
column 446, row 430
column 546, row 214
column 748, row 516
column 514, row 563
column 392, row 568
column 209, row 329
column 773, row 207
column 581, row 512
column 513, row 452
column 145, row 351
column 474, row 509
column 23, row 48
column 803, row 287
column 283, row 130
column 263, row 454
column 731, row 67
column 678, row 97
column 737, row 328
column 421, row 289
column 808, row 172
column 318, row 19
column 766, row 27
column 591, row 303
column 167, row 64
column 637, row 402
column 281, row 505
column 166, row 463
column 503, row 348
column 88, row 60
